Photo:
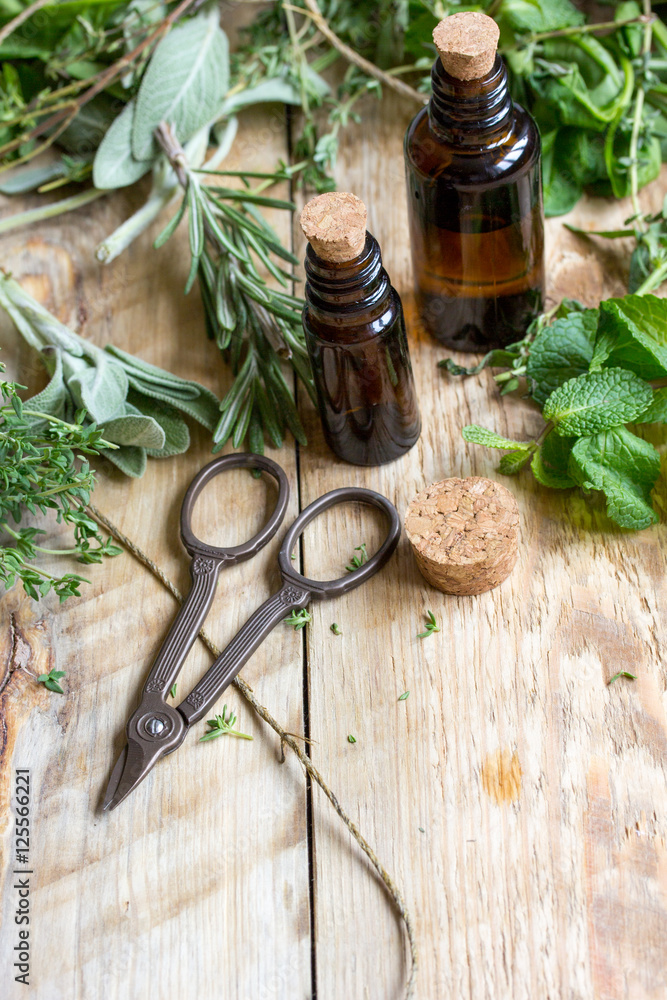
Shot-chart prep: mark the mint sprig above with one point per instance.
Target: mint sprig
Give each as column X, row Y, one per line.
column 592, row 372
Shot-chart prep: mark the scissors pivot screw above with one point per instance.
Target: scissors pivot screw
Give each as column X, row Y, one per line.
column 155, row 725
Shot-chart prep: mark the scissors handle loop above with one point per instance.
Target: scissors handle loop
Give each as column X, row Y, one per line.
column 333, row 588
column 235, row 553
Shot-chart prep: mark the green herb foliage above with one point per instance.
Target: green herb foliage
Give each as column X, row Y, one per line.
column 404, row 696
column 622, row 673
column 356, row 562
column 42, row 470
column 299, row 619
column 223, row 725
column 134, row 404
column 592, row 372
column 431, row 627
column 51, row 680
column 336, row 629
column 351, row 739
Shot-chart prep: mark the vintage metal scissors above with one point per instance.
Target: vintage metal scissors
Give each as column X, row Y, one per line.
column 156, row 728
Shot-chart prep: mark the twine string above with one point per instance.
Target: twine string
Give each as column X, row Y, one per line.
column 286, row 739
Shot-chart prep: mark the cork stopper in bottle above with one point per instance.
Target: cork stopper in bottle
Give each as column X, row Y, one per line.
column 464, row 534
column 335, row 226
column 467, row 44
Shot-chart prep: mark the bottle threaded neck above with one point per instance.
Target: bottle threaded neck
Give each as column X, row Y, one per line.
column 346, row 287
column 471, row 113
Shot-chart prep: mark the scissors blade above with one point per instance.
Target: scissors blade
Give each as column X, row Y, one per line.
column 132, row 766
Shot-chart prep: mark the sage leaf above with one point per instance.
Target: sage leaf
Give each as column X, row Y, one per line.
column 185, row 82
column 632, row 334
column 272, row 91
column 625, row 468
column 100, row 389
column 130, row 460
column 560, row 352
column 54, row 398
column 176, row 433
column 115, row 165
column 596, row 401
column 480, row 435
column 134, row 429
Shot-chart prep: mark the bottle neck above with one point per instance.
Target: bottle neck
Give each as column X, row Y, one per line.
column 471, row 113
column 340, row 290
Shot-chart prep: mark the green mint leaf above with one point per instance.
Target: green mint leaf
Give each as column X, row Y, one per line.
column 560, row 352
column 596, row 401
column 632, row 334
column 625, row 468
column 550, row 463
column 657, row 411
column 114, row 165
column 514, row 462
column 480, row 435
column 185, row 83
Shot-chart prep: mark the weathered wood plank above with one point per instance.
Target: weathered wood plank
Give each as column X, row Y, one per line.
column 518, row 801
column 199, row 881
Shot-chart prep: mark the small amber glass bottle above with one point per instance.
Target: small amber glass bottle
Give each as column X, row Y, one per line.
column 355, row 333
column 474, row 195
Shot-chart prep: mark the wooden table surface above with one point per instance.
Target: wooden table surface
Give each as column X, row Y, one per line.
column 517, row 800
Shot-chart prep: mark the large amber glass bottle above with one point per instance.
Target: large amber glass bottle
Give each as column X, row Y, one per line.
column 475, row 204
column 356, row 338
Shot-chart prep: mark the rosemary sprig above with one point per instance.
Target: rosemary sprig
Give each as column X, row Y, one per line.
column 431, row 626
column 51, row 679
column 299, row 619
column 223, row 725
column 356, row 562
column 256, row 327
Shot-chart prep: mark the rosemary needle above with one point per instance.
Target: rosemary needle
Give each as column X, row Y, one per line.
column 431, row 626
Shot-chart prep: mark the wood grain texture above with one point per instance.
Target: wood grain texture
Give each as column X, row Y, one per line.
column 518, row 801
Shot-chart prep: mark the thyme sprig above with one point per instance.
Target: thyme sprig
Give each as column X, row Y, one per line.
column 42, row 469
column 256, row 327
column 223, row 725
column 431, row 626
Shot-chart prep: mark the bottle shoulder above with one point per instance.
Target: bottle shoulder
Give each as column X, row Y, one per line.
column 430, row 155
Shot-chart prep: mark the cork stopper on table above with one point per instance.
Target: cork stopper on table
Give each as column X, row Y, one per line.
column 467, row 44
column 464, row 534
column 335, row 226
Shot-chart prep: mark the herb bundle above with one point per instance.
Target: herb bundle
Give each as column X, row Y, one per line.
column 592, row 372
column 136, row 406
column 40, row 470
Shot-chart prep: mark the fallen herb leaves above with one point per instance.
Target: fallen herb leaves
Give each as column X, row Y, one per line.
column 431, row 626
column 51, row 679
column 223, row 725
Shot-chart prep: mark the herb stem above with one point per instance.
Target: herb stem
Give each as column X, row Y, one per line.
column 637, row 121
column 49, row 211
column 39, row 548
column 121, row 238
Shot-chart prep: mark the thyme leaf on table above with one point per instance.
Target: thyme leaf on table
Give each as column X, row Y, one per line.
column 223, row 725
column 431, row 627
column 51, row 679
column 299, row 619
column 622, row 673
column 356, row 562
